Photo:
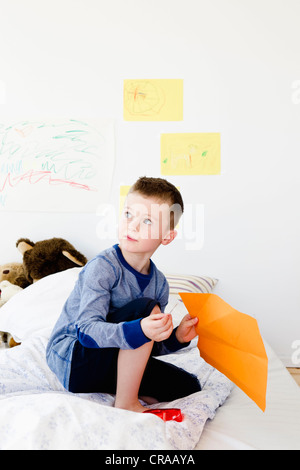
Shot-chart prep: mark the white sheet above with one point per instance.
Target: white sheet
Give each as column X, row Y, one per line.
column 37, row 413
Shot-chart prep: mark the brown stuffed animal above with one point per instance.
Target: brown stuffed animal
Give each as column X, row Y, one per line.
column 7, row 291
column 48, row 257
column 14, row 273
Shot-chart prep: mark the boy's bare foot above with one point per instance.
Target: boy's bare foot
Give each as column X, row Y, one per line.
column 137, row 406
column 149, row 400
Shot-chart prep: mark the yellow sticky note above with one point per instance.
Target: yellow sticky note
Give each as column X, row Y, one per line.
column 123, row 193
column 153, row 100
column 191, row 154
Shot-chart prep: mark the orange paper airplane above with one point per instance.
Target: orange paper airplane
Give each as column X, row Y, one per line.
column 231, row 342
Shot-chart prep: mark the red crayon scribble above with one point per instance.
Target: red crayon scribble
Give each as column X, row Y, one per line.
column 34, row 177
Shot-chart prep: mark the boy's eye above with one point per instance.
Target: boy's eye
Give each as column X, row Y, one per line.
column 127, row 214
column 147, row 221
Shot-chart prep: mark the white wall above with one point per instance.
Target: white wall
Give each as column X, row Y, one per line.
column 239, row 60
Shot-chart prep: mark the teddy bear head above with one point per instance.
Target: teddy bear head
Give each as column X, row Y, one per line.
column 8, row 290
column 14, row 273
column 48, row 257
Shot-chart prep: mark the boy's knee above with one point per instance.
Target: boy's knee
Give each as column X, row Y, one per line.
column 155, row 310
column 137, row 308
column 149, row 306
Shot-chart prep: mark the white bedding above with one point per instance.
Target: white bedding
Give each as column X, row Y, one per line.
column 37, row 413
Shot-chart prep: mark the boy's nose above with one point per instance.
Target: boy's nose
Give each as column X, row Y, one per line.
column 134, row 224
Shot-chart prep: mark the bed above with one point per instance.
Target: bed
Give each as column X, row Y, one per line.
column 37, row 413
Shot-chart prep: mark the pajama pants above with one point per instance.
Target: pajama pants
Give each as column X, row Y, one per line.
column 95, row 369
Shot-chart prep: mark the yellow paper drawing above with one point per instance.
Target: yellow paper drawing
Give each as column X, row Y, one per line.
column 191, row 154
column 153, row 100
column 123, row 193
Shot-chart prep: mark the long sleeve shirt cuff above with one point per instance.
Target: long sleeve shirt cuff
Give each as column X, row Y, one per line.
column 172, row 343
column 134, row 334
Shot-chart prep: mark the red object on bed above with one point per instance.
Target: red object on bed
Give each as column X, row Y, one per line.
column 167, row 414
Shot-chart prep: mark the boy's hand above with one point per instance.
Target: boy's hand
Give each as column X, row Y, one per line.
column 158, row 326
column 186, row 331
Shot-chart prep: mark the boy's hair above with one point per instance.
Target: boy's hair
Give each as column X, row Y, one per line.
column 164, row 191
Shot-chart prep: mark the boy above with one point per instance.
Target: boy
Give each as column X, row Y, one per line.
column 113, row 322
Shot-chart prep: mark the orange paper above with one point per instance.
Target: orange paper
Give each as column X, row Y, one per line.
column 231, row 342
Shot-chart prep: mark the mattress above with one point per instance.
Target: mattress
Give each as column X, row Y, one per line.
column 239, row 424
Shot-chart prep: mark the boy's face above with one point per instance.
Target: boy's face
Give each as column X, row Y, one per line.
column 144, row 224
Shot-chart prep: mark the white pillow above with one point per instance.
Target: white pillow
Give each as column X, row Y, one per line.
column 37, row 308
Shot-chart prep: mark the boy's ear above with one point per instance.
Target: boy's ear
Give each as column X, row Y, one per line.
column 169, row 237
